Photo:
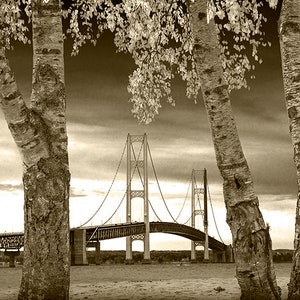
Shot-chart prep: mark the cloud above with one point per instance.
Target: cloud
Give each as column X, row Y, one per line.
column 10, row 187
column 75, row 193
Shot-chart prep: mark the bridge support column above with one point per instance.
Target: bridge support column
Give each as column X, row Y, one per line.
column 215, row 256
column 128, row 258
column 229, row 254
column 135, row 164
column 78, row 249
column 97, row 253
column 193, row 252
column 219, row 256
column 11, row 255
column 205, row 221
column 206, row 253
column 147, row 259
column 223, row 257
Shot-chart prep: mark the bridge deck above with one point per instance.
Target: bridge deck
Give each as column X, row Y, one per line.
column 94, row 233
column 15, row 240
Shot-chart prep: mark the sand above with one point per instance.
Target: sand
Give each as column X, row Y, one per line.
column 155, row 281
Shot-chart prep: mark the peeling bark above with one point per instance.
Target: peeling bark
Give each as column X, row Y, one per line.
column 40, row 134
column 289, row 33
column 250, row 236
column 46, row 183
column 46, row 251
column 20, row 119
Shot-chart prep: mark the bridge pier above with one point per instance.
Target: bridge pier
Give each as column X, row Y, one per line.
column 147, row 258
column 78, row 248
column 11, row 255
column 146, row 261
column 128, row 257
column 224, row 256
column 193, row 252
column 194, row 245
column 218, row 256
column 143, row 237
column 229, row 254
column 97, row 253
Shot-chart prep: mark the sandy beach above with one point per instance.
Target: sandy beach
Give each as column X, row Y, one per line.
column 179, row 281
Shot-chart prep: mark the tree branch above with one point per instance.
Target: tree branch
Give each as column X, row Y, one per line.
column 22, row 122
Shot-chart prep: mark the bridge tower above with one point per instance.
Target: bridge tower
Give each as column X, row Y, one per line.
column 196, row 192
column 135, row 164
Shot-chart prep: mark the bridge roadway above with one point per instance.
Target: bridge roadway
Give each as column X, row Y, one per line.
column 94, row 233
column 15, row 240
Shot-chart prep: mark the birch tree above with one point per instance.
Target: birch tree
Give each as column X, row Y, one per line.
column 39, row 131
column 289, row 32
column 166, row 38
column 250, row 235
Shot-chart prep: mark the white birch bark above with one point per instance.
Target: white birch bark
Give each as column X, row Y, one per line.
column 250, row 236
column 40, row 134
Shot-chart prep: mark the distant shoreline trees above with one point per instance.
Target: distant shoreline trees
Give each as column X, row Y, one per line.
column 157, row 256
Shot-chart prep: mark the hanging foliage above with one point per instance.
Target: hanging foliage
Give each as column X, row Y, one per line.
column 12, row 25
column 158, row 36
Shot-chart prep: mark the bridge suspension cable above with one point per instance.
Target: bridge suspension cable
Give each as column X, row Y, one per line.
column 136, row 159
column 213, row 214
column 135, row 168
column 94, row 232
column 159, row 219
column 107, row 219
column 114, row 210
column 139, row 154
column 143, row 184
column 186, row 195
column 160, row 191
column 187, row 220
column 198, row 200
column 111, row 185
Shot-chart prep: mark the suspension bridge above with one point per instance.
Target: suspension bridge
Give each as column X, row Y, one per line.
column 137, row 186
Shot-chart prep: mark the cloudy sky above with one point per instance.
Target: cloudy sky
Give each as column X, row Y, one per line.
column 99, row 119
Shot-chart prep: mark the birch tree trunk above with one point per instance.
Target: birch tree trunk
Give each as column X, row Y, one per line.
column 250, row 236
column 40, row 134
column 289, row 32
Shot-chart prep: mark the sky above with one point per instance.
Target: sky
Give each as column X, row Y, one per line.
column 99, row 119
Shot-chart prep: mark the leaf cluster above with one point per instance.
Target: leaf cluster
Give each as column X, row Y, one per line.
column 159, row 38
column 239, row 25
column 12, row 23
column 157, row 35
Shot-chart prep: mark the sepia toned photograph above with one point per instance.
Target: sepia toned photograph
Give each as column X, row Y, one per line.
column 150, row 149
